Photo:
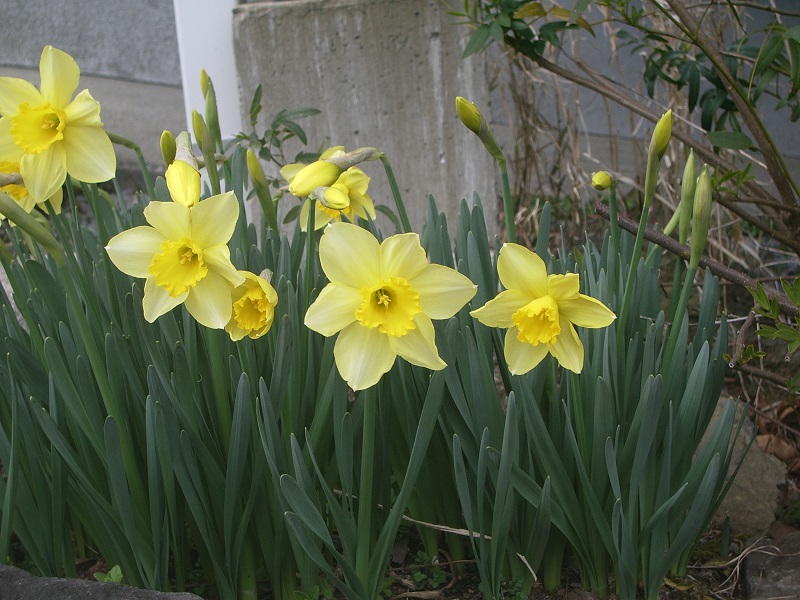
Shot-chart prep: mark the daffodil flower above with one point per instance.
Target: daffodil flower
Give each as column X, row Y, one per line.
column 540, row 312
column 353, row 185
column 50, row 133
column 12, row 184
column 183, row 256
column 381, row 299
column 253, row 308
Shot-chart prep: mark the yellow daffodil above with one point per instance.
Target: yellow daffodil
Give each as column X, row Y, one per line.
column 12, row 184
column 184, row 257
column 253, row 308
column 304, row 179
column 381, row 299
column 601, row 180
column 353, row 185
column 50, row 133
column 540, row 312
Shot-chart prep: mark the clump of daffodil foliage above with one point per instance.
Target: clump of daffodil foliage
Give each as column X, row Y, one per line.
column 182, row 385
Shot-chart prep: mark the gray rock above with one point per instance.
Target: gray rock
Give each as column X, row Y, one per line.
column 752, row 501
column 771, row 575
column 16, row 584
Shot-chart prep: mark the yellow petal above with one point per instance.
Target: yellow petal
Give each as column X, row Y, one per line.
column 318, row 174
column 362, row 355
column 568, row 348
column 522, row 269
column 586, row 311
column 333, row 310
column 520, row 356
column 332, row 151
column 157, row 300
column 59, row 76
column 288, row 172
column 90, row 154
column 44, row 173
column 564, row 286
column 15, row 91
column 402, row 256
column 442, row 291
column 209, row 301
column 498, row 311
column 83, row 111
column 183, row 183
column 218, row 259
column 214, row 219
column 349, row 256
column 362, row 206
column 169, row 219
column 9, row 151
column 418, row 346
column 132, row 250
column 355, row 180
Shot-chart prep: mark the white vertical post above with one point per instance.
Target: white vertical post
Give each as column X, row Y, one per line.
column 205, row 41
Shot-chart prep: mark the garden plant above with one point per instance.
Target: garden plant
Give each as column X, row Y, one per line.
column 229, row 407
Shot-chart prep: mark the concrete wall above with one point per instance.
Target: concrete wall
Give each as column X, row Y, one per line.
column 383, row 73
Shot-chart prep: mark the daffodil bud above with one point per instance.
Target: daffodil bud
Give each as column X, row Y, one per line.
column 204, row 81
column 685, row 208
column 661, row 135
column 602, row 180
column 701, row 217
column 333, row 197
column 10, row 179
column 254, row 168
column 473, row 119
column 469, row 114
column 198, row 127
column 168, row 147
column 321, row 173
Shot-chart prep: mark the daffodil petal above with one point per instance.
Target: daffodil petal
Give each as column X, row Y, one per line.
column 362, row 355
column 333, row 310
column 83, row 111
column 568, row 348
column 520, row 268
column 90, row 154
column 157, row 300
column 362, row 205
column 520, row 356
column 15, row 91
column 402, row 256
column 349, row 255
column 289, row 171
column 418, row 346
column 565, row 287
column 45, row 172
column 183, row 183
column 442, row 291
column 132, row 250
column 586, row 311
column 209, row 301
column 59, row 74
column 214, row 219
column 9, row 151
column 498, row 311
column 169, row 218
column 218, row 259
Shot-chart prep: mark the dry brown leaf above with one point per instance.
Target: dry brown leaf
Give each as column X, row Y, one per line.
column 778, row 446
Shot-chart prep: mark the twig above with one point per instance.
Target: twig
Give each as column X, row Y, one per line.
column 682, row 251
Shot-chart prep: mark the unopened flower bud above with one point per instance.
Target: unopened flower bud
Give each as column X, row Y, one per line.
column 601, row 180
column 701, row 217
column 198, row 127
column 661, row 135
column 204, row 80
column 685, row 208
column 321, row 173
column 333, row 197
column 168, row 147
column 183, row 149
column 257, row 175
column 354, row 157
column 473, row 119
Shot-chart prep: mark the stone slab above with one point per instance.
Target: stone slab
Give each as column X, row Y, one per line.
column 383, row 73
column 773, row 572
column 16, row 584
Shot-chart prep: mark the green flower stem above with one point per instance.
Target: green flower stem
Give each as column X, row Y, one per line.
column 308, row 274
column 680, row 310
column 31, row 226
column 248, row 584
column 221, row 393
column 398, row 199
column 363, row 553
column 508, row 205
column 125, row 142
